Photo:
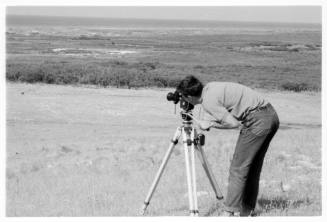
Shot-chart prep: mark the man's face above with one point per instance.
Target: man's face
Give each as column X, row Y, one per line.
column 191, row 99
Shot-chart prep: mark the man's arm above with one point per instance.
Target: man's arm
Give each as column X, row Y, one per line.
column 228, row 122
column 223, row 118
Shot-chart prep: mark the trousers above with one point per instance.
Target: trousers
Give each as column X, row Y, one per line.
column 258, row 129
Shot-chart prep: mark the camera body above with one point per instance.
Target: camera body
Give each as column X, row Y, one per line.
column 177, row 97
column 184, row 105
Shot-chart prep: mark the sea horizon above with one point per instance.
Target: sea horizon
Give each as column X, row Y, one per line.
column 40, row 20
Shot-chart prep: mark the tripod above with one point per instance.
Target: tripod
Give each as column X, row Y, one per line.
column 192, row 142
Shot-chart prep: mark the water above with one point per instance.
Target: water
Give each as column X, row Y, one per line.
column 20, row 20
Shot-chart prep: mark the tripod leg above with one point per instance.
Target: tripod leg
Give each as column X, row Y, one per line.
column 195, row 196
column 189, row 174
column 209, row 173
column 161, row 169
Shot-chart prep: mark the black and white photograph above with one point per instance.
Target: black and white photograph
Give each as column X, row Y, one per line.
column 169, row 110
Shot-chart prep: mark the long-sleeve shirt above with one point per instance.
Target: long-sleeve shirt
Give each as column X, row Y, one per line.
column 221, row 98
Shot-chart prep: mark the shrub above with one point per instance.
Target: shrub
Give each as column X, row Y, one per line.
column 136, row 83
column 160, row 81
column 130, row 75
column 49, row 78
column 173, row 82
column 198, row 67
column 32, row 76
column 13, row 75
column 119, row 63
column 297, row 87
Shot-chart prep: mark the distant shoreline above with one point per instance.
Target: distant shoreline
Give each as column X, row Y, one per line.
column 137, row 22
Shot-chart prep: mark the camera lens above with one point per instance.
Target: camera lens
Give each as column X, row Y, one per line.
column 170, row 96
column 173, row 97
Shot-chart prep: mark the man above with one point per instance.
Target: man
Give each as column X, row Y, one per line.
column 233, row 105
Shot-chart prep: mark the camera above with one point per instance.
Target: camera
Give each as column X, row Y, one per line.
column 177, row 97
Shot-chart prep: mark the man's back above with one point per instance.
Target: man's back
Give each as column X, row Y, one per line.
column 235, row 98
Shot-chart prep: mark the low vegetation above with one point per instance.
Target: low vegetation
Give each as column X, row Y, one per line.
column 85, row 151
column 117, row 73
column 298, row 87
column 137, row 58
column 121, row 74
column 89, row 151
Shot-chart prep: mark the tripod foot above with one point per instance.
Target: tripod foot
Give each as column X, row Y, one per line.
column 146, row 204
column 194, row 213
column 220, row 198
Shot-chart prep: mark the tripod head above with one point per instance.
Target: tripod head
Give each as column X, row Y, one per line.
column 186, row 116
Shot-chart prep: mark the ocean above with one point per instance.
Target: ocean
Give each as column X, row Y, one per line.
column 20, row 20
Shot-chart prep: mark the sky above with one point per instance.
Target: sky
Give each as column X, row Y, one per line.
column 298, row 14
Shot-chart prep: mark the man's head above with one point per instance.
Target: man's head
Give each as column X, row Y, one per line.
column 191, row 89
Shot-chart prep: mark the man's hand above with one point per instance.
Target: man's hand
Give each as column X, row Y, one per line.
column 204, row 125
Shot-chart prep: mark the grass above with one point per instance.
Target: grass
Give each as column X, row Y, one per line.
column 281, row 203
column 259, row 61
column 297, row 87
column 93, row 156
column 115, row 73
column 94, row 151
column 135, row 75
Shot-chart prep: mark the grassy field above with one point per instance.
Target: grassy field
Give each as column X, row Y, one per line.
column 270, row 56
column 89, row 142
column 86, row 151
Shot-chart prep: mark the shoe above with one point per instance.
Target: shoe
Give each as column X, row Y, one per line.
column 248, row 213
column 253, row 213
column 226, row 213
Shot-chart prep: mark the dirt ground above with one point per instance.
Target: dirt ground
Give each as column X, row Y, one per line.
column 88, row 151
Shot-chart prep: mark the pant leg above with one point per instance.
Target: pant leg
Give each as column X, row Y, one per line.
column 249, row 154
column 252, row 184
column 247, row 147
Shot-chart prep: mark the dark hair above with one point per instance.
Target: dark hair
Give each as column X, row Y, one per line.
column 190, row 86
